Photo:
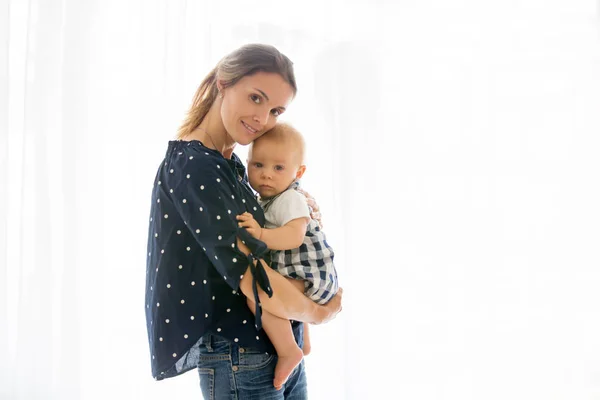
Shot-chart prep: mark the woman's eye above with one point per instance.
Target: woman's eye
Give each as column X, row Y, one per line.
column 276, row 112
column 255, row 98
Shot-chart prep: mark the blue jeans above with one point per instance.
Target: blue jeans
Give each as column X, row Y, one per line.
column 230, row 372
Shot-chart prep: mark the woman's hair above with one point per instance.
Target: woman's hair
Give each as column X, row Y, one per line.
column 247, row 60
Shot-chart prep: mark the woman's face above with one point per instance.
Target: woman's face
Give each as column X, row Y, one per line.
column 251, row 106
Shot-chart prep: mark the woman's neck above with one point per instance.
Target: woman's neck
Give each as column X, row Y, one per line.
column 212, row 133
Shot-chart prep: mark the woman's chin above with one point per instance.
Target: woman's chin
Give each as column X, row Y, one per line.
column 245, row 138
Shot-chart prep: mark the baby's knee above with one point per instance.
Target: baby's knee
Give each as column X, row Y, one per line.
column 298, row 284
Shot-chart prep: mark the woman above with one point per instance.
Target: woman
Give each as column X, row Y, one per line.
column 201, row 265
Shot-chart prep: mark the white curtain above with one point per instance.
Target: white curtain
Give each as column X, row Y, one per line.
column 453, row 148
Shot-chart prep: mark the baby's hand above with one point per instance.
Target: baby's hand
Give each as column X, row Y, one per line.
column 247, row 221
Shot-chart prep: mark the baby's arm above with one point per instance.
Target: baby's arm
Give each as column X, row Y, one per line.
column 286, row 237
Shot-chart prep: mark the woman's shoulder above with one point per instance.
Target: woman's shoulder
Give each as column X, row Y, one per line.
column 194, row 154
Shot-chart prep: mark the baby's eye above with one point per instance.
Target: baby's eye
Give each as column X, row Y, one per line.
column 279, row 168
column 258, row 165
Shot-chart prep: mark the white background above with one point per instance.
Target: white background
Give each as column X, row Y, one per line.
column 453, row 148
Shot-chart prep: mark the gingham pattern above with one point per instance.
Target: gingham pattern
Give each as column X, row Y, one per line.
column 312, row 262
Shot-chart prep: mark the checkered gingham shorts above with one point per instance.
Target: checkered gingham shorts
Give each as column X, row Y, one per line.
column 312, row 262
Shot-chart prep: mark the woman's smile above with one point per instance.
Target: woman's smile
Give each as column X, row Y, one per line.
column 249, row 128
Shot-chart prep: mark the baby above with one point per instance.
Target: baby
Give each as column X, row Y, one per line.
column 299, row 249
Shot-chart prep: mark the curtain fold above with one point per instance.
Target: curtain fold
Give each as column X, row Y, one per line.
column 4, row 173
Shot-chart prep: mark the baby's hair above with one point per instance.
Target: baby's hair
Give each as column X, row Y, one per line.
column 285, row 133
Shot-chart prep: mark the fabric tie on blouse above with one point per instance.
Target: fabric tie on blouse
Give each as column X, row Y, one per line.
column 259, row 275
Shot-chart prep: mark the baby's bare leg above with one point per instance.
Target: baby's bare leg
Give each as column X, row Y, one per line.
column 299, row 284
column 280, row 332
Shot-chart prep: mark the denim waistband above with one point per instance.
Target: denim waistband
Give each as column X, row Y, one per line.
column 210, row 339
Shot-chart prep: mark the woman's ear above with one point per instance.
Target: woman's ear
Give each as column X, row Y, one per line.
column 220, row 88
column 300, row 172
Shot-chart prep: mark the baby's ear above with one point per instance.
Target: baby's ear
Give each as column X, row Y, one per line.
column 300, row 172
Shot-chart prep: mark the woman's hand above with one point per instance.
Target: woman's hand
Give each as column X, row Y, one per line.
column 248, row 222
column 312, row 203
column 331, row 309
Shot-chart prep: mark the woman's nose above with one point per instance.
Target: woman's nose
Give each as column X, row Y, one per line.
column 262, row 117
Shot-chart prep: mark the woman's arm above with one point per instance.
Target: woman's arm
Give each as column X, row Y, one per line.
column 287, row 302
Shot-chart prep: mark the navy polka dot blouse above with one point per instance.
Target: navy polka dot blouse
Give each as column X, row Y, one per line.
column 193, row 264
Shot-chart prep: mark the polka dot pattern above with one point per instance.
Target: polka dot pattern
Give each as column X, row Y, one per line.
column 193, row 267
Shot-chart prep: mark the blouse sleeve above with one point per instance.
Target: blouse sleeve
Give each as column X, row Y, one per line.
column 207, row 195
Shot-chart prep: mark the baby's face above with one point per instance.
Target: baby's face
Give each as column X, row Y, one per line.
column 272, row 167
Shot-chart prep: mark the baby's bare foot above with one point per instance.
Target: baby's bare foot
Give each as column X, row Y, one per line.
column 285, row 365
